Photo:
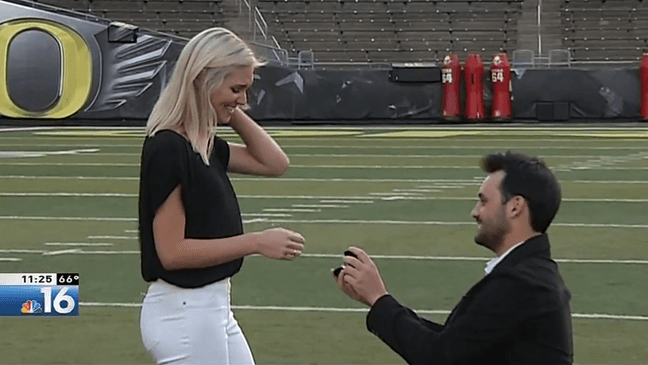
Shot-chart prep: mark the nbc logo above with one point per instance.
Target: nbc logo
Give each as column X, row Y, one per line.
column 30, row 306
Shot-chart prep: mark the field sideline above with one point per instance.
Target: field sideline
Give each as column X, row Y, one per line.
column 68, row 203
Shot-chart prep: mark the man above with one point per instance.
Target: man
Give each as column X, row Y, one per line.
column 518, row 313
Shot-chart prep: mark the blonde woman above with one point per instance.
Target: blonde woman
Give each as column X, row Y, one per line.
column 191, row 232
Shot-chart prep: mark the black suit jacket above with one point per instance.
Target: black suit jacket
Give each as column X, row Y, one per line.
column 517, row 314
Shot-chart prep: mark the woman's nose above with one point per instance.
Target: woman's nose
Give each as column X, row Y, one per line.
column 242, row 99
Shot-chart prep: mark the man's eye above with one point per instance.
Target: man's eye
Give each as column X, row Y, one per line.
column 235, row 90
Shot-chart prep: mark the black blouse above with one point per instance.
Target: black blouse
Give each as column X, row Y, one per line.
column 210, row 204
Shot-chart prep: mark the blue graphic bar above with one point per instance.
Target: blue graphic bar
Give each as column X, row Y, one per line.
column 39, row 301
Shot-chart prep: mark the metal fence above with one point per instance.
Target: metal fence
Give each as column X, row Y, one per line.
column 560, row 58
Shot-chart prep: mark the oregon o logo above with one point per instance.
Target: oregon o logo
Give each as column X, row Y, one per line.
column 75, row 69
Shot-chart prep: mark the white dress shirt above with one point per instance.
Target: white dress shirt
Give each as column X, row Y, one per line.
column 492, row 263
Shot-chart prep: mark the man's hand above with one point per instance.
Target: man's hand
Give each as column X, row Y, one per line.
column 360, row 279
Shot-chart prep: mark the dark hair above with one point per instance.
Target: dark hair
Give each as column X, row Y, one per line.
column 531, row 179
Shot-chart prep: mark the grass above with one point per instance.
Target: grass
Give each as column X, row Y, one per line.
column 377, row 204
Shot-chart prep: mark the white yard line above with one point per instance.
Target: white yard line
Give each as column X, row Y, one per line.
column 392, row 194
column 437, row 146
column 32, row 154
column 470, row 258
column 329, row 256
column 358, row 310
column 319, row 206
column 79, row 244
column 56, row 253
column 95, row 219
column 268, row 215
column 423, row 190
column 382, row 167
column 20, row 251
column 95, row 145
column 342, row 200
column 369, row 155
column 329, row 180
column 400, row 193
column 75, row 195
column 440, row 223
column 80, row 251
column 112, row 237
column 575, row 167
column 111, row 164
column 254, row 220
column 292, row 210
column 20, row 177
column 330, row 221
column 324, row 155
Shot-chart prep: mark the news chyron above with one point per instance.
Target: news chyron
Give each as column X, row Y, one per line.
column 39, row 295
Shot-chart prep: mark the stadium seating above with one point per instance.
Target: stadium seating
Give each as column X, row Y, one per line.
column 599, row 30
column 384, row 31
column 183, row 18
column 397, row 30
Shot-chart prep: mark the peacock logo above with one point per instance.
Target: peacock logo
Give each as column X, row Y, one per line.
column 30, row 307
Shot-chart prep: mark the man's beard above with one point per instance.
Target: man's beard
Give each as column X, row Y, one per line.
column 493, row 233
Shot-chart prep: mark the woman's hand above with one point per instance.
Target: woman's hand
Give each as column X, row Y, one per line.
column 280, row 244
column 259, row 154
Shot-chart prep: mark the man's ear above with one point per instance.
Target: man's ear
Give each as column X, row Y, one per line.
column 516, row 206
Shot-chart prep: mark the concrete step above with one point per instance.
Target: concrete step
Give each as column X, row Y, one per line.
column 237, row 19
column 527, row 27
column 551, row 27
column 551, row 21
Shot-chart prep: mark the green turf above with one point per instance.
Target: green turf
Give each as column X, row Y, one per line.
column 409, row 281
column 394, row 210
column 275, row 338
column 590, row 168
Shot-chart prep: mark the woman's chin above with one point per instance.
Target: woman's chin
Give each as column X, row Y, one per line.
column 224, row 119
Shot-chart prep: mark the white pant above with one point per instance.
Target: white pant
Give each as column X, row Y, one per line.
column 192, row 326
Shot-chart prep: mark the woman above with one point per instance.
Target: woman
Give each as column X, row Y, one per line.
column 191, row 233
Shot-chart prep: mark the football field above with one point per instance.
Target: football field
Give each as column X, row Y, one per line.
column 68, row 203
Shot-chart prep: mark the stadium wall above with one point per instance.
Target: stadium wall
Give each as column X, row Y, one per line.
column 59, row 67
column 313, row 95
